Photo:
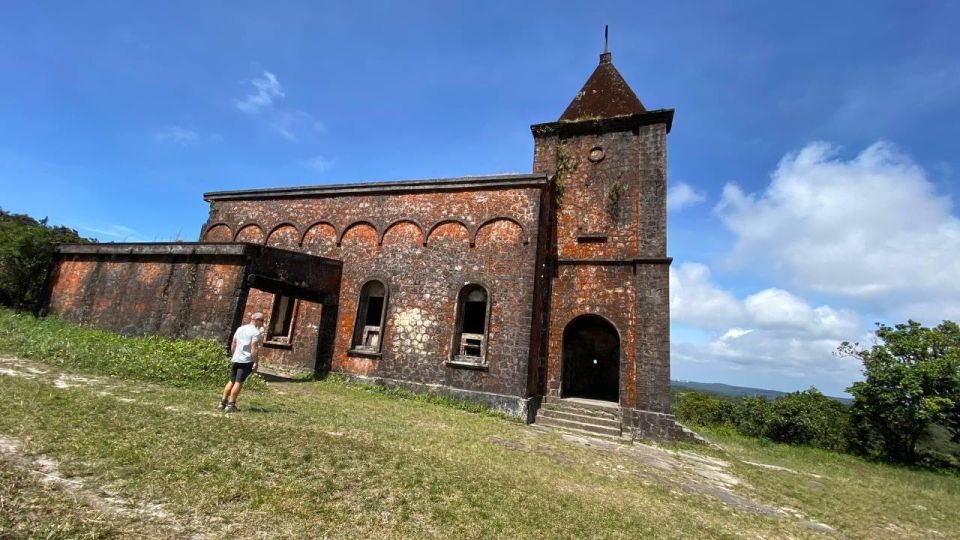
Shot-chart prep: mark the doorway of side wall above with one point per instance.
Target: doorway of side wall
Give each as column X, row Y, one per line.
column 591, row 359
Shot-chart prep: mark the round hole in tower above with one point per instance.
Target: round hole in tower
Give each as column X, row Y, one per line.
column 596, row 154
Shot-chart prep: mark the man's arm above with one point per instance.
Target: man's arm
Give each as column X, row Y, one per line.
column 255, row 353
column 233, row 344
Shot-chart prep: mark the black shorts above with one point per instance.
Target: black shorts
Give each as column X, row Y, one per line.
column 239, row 371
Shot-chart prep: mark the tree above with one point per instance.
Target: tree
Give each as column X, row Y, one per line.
column 911, row 381
column 27, row 249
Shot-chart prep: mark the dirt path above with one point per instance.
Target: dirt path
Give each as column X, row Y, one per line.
column 103, row 499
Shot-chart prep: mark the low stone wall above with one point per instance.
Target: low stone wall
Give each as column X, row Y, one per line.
column 523, row 408
column 649, row 425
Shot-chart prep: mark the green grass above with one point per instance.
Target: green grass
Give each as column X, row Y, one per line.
column 330, row 459
column 148, row 358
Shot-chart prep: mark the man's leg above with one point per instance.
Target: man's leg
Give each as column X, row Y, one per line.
column 234, row 392
column 226, row 390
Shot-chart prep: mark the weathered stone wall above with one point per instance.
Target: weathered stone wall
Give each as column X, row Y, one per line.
column 174, row 296
column 424, row 246
column 611, row 246
column 301, row 352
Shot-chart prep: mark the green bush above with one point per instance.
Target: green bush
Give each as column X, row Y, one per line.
column 147, row 358
column 702, row 409
column 751, row 415
column 808, row 418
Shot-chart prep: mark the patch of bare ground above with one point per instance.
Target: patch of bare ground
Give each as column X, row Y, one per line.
column 685, row 470
column 150, row 518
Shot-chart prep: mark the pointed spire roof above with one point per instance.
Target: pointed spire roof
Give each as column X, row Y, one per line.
column 605, row 95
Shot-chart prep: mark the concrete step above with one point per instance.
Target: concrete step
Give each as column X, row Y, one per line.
column 570, row 427
column 578, row 416
column 583, row 409
column 585, row 428
column 592, row 404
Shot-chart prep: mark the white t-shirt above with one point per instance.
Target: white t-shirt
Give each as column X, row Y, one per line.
column 245, row 336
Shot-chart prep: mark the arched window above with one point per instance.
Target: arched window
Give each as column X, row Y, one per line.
column 371, row 310
column 473, row 317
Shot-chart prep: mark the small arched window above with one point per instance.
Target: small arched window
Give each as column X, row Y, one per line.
column 473, row 316
column 371, row 309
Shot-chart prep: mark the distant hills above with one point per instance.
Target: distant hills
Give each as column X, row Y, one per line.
column 736, row 391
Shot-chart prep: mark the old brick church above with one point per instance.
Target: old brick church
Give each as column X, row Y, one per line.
column 525, row 292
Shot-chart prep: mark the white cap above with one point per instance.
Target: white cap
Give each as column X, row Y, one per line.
column 256, row 316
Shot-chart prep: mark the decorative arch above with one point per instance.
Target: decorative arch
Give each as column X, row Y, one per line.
column 449, row 228
column 316, row 225
column 218, row 232
column 401, row 232
column 320, row 238
column 362, row 227
column 591, row 359
column 502, row 229
column 284, row 235
column 250, row 232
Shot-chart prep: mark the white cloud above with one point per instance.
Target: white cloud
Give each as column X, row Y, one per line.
column 871, row 229
column 767, row 335
column 681, row 195
column 264, row 102
column 265, row 89
column 291, row 123
column 318, row 163
column 694, row 299
column 117, row 232
column 177, row 135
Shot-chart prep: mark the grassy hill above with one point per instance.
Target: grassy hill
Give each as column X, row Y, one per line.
column 736, row 391
column 88, row 455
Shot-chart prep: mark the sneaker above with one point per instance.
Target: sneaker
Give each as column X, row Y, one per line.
column 222, row 405
column 231, row 407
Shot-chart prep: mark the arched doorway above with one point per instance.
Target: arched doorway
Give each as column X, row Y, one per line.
column 591, row 359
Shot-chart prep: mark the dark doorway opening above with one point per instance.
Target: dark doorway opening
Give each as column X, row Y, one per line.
column 591, row 359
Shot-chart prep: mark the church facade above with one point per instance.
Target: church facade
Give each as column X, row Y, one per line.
column 509, row 290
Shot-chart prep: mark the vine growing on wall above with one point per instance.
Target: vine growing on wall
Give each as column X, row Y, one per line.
column 565, row 165
column 614, row 195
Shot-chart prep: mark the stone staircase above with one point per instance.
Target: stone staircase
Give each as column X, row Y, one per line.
column 586, row 417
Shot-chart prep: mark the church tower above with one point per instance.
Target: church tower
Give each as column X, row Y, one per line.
column 608, row 322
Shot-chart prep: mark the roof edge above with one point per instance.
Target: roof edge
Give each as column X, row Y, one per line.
column 604, row 125
column 399, row 186
column 195, row 249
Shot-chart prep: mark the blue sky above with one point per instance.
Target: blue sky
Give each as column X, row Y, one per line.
column 814, row 154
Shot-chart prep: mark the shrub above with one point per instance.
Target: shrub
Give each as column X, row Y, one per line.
column 808, row 418
column 702, row 409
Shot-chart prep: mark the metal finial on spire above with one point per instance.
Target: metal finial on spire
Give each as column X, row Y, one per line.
column 605, row 57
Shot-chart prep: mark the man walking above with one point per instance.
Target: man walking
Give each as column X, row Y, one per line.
column 244, row 348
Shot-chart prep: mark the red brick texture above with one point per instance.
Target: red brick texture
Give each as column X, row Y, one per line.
column 584, row 235
column 172, row 297
column 424, row 247
column 610, row 243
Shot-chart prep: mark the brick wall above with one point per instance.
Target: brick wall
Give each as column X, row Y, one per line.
column 425, row 247
column 610, row 245
column 173, row 296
